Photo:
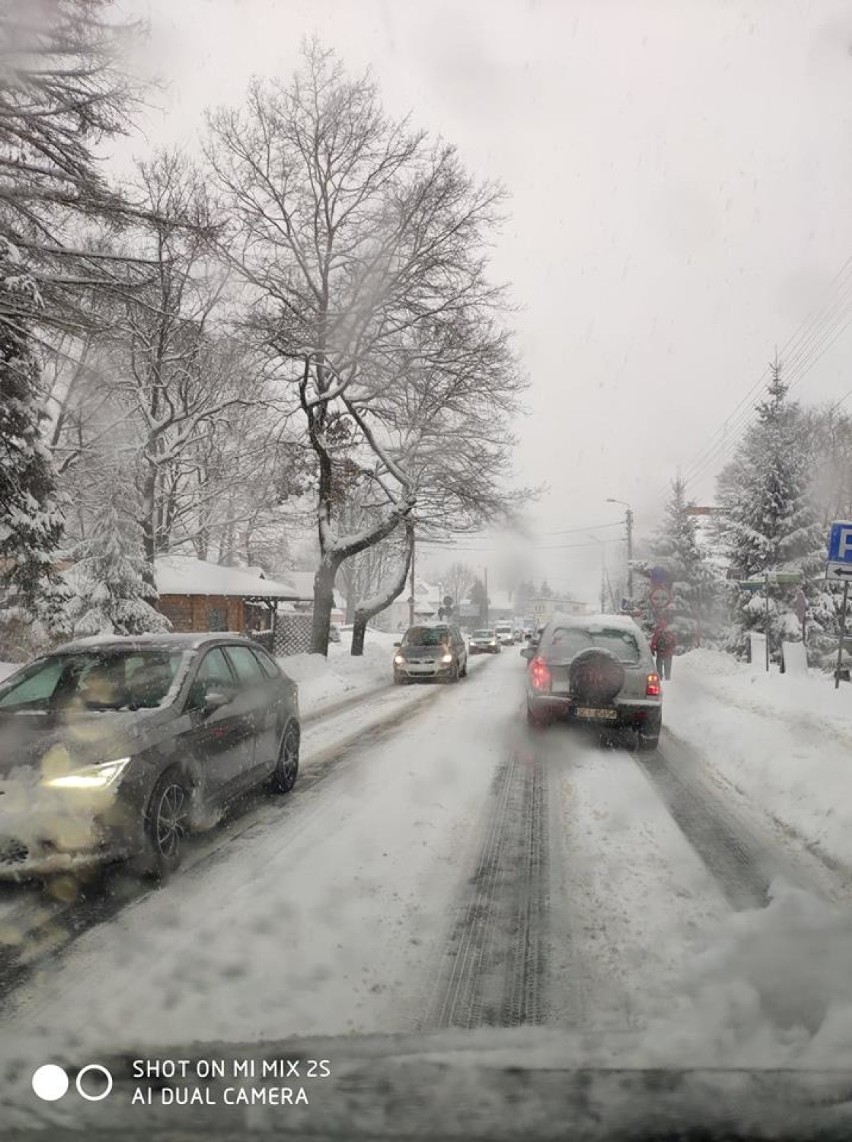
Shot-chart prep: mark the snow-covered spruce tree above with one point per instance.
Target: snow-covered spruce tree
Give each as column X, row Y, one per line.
column 693, row 586
column 30, row 521
column 111, row 594
column 770, row 524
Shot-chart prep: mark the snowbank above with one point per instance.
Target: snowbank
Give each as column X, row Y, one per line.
column 325, row 681
column 783, row 741
column 772, row 989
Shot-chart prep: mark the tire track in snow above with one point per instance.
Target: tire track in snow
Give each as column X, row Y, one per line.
column 492, row 968
column 743, row 863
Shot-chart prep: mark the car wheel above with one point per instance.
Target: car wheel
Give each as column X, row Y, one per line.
column 399, row 679
column 464, row 669
column 537, row 719
column 166, row 826
column 287, row 767
column 452, row 674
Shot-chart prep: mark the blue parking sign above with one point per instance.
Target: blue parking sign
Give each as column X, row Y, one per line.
column 840, row 542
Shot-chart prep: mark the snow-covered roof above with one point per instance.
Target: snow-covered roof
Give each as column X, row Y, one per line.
column 182, row 575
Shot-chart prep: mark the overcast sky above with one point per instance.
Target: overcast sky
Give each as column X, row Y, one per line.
column 680, row 176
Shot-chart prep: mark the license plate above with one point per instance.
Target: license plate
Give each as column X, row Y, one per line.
column 595, row 713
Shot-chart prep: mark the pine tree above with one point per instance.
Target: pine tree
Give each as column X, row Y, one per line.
column 30, row 520
column 771, row 525
column 692, row 582
column 112, row 594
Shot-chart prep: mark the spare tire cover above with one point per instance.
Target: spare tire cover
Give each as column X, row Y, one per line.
column 595, row 675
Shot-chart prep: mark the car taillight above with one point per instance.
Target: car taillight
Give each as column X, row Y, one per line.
column 540, row 674
column 653, row 688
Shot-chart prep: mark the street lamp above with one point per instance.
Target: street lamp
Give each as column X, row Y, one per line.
column 629, row 522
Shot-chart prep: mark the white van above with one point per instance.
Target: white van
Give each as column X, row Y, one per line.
column 505, row 632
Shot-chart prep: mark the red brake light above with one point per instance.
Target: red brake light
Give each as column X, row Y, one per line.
column 540, row 674
column 653, row 687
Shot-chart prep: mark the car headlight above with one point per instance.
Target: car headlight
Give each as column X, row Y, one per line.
column 446, row 658
column 90, row 777
column 398, row 660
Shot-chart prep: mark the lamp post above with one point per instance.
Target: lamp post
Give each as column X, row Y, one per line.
column 628, row 519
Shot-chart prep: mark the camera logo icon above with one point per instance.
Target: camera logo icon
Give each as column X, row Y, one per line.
column 50, row 1082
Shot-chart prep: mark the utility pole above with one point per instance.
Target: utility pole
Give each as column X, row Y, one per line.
column 485, row 569
column 411, row 596
column 629, row 521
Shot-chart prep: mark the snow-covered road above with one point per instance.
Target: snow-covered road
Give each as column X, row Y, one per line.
column 448, row 867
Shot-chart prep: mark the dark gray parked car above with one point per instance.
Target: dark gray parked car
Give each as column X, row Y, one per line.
column 596, row 669
column 116, row 748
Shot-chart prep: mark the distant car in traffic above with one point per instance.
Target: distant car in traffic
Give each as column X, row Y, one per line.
column 430, row 650
column 484, row 642
column 595, row 669
column 117, row 748
column 505, row 632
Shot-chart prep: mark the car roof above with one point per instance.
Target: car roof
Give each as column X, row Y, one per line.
column 596, row 622
column 183, row 641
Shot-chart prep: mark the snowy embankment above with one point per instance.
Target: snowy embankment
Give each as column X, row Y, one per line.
column 772, row 986
column 783, row 741
column 323, row 682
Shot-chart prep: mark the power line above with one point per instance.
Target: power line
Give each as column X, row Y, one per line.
column 448, row 543
column 816, row 335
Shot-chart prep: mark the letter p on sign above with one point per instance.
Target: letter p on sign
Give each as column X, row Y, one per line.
column 840, row 542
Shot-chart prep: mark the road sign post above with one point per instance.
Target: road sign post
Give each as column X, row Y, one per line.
column 766, row 594
column 842, row 636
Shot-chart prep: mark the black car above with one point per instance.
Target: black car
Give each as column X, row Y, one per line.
column 115, row 748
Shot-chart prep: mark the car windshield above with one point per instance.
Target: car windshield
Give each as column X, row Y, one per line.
column 426, row 636
column 98, row 679
column 328, row 330
column 565, row 642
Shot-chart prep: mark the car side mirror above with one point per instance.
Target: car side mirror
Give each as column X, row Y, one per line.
column 527, row 652
column 215, row 700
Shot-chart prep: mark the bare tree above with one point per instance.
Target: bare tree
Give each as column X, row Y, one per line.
column 457, row 581
column 363, row 247
column 64, row 90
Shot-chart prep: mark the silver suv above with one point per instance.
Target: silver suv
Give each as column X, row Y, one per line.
column 596, row 669
column 434, row 650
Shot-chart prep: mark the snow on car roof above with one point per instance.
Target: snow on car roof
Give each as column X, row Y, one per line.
column 597, row 622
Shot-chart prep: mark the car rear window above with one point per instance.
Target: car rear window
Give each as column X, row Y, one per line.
column 568, row 641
